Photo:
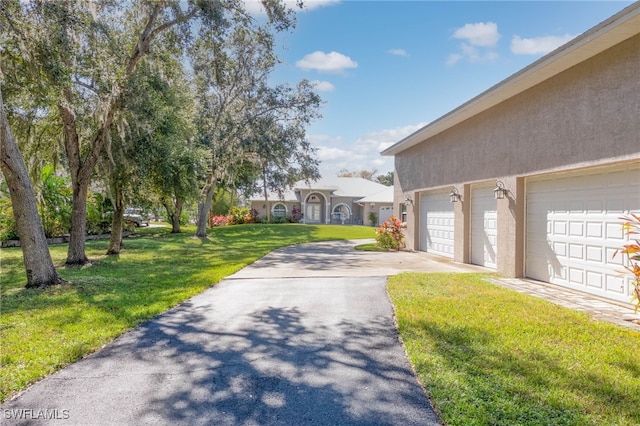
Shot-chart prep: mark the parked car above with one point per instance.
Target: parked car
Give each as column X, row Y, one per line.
column 136, row 216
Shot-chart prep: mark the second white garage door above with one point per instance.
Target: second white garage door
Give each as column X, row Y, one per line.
column 436, row 224
column 484, row 230
column 574, row 228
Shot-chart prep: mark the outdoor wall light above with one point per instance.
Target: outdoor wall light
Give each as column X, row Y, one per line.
column 408, row 200
column 455, row 196
column 499, row 192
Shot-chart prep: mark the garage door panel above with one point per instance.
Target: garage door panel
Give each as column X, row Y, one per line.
column 574, row 229
column 616, row 284
column 436, row 224
column 594, row 279
column 384, row 213
column 484, row 230
column 594, row 229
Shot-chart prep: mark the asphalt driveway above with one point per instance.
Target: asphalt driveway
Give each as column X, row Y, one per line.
column 305, row 336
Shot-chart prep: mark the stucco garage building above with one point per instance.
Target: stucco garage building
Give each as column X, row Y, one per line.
column 562, row 137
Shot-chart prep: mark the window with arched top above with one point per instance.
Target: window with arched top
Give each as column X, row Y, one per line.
column 341, row 212
column 279, row 210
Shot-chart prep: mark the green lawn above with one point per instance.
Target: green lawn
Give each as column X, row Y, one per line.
column 43, row 330
column 491, row 356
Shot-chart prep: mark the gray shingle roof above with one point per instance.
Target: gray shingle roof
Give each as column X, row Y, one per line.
column 339, row 187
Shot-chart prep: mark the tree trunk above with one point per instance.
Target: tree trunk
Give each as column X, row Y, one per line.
column 175, row 218
column 204, row 205
column 115, row 240
column 35, row 252
column 77, row 236
column 173, row 211
column 80, row 178
column 266, row 196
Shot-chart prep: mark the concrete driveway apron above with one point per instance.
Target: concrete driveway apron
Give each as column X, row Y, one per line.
column 304, row 336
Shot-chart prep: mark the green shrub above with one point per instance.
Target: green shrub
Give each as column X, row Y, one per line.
column 54, row 203
column 278, row 219
column 99, row 214
column 373, row 218
column 8, row 230
column 242, row 215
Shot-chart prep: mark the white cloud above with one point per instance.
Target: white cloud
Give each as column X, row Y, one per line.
column 375, row 142
column 398, row 52
column 323, row 86
column 453, row 59
column 363, row 154
column 483, row 34
column 328, row 62
column 538, row 45
column 255, row 6
column 314, row 4
column 479, row 41
column 326, row 153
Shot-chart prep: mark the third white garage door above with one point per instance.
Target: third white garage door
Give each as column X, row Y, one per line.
column 436, row 224
column 574, row 228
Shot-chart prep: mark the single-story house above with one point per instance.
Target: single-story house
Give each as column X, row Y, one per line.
column 531, row 177
column 337, row 200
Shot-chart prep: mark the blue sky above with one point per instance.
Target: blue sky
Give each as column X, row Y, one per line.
column 386, row 68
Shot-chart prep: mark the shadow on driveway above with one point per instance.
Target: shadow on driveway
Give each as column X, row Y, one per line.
column 249, row 352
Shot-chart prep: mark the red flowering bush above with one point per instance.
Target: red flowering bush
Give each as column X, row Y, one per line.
column 390, row 234
column 220, row 220
column 631, row 229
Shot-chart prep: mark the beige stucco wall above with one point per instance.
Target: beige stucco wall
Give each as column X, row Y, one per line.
column 367, row 208
column 262, row 206
column 586, row 116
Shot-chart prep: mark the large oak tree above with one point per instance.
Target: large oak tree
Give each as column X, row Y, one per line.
column 79, row 59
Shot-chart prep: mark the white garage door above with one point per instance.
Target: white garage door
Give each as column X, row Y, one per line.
column 436, row 224
column 574, row 229
column 385, row 213
column 483, row 227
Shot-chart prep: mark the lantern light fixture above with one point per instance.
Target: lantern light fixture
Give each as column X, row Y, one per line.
column 455, row 196
column 499, row 192
column 408, row 201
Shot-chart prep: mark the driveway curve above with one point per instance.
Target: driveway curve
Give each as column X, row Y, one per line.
column 304, row 336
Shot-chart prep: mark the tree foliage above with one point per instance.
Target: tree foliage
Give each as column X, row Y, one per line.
column 86, row 91
column 372, row 175
column 243, row 120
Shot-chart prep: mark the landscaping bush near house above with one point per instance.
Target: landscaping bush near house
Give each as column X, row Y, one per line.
column 278, row 219
column 491, row 356
column 220, row 220
column 390, row 234
column 296, row 215
column 242, row 215
column 631, row 250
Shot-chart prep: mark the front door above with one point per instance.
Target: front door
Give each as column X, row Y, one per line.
column 313, row 213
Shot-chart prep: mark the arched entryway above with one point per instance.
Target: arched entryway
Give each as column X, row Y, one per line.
column 314, row 208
